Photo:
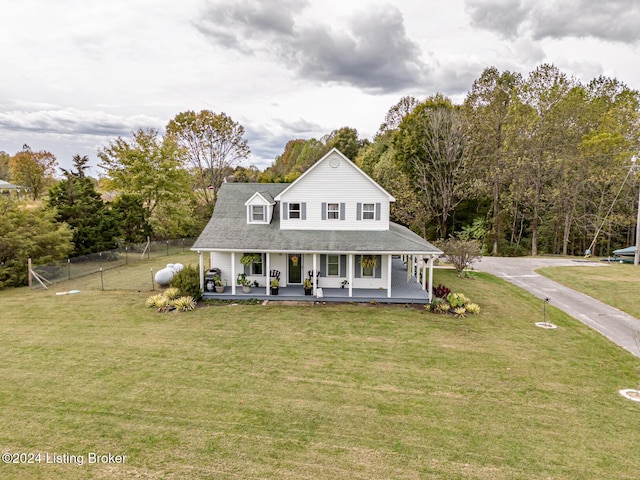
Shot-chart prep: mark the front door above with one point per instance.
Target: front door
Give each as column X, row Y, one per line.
column 295, row 268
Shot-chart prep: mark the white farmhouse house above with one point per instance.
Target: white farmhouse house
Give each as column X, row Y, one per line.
column 330, row 226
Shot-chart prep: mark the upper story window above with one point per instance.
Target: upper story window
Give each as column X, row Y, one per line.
column 333, row 211
column 294, row 210
column 257, row 213
column 368, row 211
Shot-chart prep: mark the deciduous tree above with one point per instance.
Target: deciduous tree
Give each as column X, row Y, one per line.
column 33, row 170
column 214, row 144
column 148, row 166
column 28, row 232
column 429, row 147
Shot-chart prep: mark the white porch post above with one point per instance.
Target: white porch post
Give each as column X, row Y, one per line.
column 424, row 273
column 409, row 267
column 430, row 292
column 350, row 274
column 416, row 268
column 314, row 279
column 233, row 273
column 268, row 274
column 389, row 267
column 201, row 262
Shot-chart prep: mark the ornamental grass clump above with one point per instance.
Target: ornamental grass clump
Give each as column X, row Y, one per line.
column 172, row 293
column 170, row 300
column 184, row 304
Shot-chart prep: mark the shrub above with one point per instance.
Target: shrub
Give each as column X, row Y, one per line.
column 438, row 305
column 473, row 308
column 441, row 291
column 154, row 300
column 456, row 303
column 187, row 281
column 163, row 303
column 461, row 253
column 172, row 293
column 459, row 312
column 184, row 304
column 457, row 300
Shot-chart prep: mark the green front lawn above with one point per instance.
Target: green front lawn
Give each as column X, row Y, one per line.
column 615, row 284
column 327, row 391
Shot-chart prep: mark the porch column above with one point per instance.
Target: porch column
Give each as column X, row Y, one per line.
column 430, row 292
column 233, row 273
column 416, row 268
column 409, row 267
column 424, row 273
column 314, row 279
column 350, row 274
column 268, row 274
column 389, row 267
column 201, row 262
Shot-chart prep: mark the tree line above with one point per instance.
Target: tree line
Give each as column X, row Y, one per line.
column 526, row 165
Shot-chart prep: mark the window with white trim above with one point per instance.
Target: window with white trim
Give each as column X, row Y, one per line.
column 256, row 267
column 368, row 211
column 333, row 265
column 333, row 211
column 367, row 271
column 294, row 210
column 257, row 213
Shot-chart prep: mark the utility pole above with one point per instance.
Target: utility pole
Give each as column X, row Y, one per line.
column 636, row 258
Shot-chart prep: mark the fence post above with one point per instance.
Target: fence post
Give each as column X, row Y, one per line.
column 167, row 248
column 126, row 255
column 69, row 268
column 153, row 287
column 101, row 279
column 183, row 245
column 29, row 272
column 100, row 254
column 149, row 249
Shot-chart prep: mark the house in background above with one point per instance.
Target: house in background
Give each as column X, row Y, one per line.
column 11, row 190
column 331, row 226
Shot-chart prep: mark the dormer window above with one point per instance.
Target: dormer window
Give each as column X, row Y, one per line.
column 260, row 208
column 258, row 213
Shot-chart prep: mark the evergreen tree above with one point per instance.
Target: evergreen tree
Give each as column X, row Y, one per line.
column 132, row 217
column 95, row 228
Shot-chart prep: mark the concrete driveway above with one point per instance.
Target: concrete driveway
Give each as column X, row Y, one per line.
column 617, row 326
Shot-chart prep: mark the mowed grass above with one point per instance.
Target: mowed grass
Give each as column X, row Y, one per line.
column 614, row 284
column 311, row 392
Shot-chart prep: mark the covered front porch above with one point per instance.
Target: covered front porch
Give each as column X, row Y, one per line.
column 404, row 288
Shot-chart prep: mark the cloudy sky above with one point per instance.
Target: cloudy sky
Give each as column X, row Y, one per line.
column 75, row 74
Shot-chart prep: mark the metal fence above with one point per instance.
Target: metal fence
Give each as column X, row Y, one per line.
column 98, row 262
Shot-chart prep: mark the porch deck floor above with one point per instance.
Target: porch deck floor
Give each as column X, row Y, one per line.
column 401, row 291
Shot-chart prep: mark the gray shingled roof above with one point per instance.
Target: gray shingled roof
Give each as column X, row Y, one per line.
column 228, row 230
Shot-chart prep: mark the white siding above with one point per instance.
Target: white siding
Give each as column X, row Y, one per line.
column 222, row 260
column 339, row 184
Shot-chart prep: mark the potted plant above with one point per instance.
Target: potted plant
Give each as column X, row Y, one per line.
column 244, row 282
column 308, row 286
column 275, row 286
column 248, row 258
column 219, row 286
column 369, row 261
